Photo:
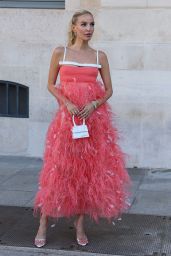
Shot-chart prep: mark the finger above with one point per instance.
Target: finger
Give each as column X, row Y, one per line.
column 82, row 111
column 84, row 115
column 77, row 112
column 73, row 112
column 82, row 107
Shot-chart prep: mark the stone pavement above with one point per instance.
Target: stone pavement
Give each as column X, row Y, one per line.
column 24, row 251
column 151, row 194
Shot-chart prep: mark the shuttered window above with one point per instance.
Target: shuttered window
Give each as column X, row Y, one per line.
column 14, row 99
column 43, row 4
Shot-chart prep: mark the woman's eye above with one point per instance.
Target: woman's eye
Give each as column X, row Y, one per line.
column 83, row 24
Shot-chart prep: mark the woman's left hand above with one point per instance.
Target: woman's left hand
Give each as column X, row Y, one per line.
column 86, row 111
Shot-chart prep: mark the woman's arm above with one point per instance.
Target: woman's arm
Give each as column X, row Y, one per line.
column 105, row 75
column 53, row 73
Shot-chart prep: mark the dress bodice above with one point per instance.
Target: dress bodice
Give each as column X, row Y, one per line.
column 78, row 74
column 71, row 71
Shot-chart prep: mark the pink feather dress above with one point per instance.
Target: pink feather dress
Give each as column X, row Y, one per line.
column 85, row 175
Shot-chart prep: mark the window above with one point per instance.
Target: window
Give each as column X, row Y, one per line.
column 43, row 4
column 14, row 99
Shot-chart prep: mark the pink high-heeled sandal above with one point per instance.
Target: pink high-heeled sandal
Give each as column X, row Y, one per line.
column 80, row 241
column 39, row 242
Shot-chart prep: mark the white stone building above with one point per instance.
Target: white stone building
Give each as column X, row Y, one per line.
column 136, row 36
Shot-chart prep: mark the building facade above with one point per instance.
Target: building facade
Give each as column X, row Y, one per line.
column 136, row 36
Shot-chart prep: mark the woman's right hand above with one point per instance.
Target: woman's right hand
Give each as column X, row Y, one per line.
column 72, row 108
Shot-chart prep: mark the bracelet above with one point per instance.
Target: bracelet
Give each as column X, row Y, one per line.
column 94, row 102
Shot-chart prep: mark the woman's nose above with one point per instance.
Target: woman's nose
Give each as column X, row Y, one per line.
column 88, row 28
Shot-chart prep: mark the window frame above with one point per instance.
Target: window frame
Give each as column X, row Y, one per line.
column 33, row 4
column 17, row 114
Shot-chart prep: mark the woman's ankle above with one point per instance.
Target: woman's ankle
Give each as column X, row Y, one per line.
column 80, row 218
column 43, row 220
column 80, row 222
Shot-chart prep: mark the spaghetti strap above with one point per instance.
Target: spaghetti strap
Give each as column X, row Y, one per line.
column 64, row 53
column 97, row 56
column 74, row 63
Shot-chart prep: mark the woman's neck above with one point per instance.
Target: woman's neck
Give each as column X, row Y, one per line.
column 80, row 45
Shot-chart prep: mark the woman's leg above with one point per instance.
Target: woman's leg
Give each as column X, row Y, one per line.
column 43, row 226
column 79, row 225
column 40, row 239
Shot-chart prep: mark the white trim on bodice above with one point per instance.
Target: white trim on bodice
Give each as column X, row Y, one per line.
column 74, row 63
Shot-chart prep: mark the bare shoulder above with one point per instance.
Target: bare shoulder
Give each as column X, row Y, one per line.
column 103, row 60
column 58, row 51
column 102, row 55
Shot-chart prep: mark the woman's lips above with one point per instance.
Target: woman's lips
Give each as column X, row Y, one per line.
column 88, row 34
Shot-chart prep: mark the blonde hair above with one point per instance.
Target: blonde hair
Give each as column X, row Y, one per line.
column 71, row 34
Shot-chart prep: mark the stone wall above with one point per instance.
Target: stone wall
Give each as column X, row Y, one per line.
column 136, row 36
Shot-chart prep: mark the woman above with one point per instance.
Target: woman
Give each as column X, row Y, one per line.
column 84, row 175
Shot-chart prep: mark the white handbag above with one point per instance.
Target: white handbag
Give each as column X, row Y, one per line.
column 79, row 131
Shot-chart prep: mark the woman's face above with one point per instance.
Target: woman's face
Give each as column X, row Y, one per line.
column 84, row 27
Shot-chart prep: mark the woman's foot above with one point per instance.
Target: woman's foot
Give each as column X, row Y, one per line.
column 80, row 234
column 40, row 239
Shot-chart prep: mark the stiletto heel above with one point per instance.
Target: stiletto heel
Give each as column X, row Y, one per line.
column 80, row 241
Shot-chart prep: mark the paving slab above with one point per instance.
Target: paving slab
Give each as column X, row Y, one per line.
column 8, row 170
column 30, row 170
column 15, row 198
column 20, row 182
column 152, row 202
column 156, row 184
column 4, row 177
column 159, row 173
